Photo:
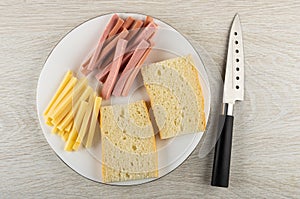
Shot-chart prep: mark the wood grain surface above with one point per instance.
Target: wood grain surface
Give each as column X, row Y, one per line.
column 266, row 143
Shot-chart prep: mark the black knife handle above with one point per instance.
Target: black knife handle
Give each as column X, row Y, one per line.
column 221, row 167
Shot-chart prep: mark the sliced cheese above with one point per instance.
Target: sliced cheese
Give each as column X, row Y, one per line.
column 66, row 79
column 94, row 120
column 61, row 133
column 79, row 88
column 68, row 89
column 84, row 124
column 70, row 115
column 48, row 122
column 54, row 130
column 65, row 136
column 63, row 108
column 66, row 104
column 77, row 123
column 69, row 127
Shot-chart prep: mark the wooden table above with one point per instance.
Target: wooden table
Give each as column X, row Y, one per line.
column 266, row 144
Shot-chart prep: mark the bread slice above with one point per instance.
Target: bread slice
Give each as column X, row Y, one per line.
column 128, row 143
column 176, row 96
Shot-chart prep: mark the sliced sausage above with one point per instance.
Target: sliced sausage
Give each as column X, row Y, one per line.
column 116, row 28
column 121, row 82
column 110, row 46
column 113, row 20
column 128, row 22
column 134, row 29
column 148, row 20
column 144, row 34
column 135, row 58
column 134, row 73
column 137, row 55
column 113, row 74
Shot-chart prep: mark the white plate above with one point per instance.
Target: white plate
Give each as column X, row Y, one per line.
column 71, row 51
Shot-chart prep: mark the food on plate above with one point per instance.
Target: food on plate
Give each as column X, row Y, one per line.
column 138, row 34
column 111, row 46
column 129, row 20
column 93, row 124
column 176, row 96
column 148, row 20
column 115, row 67
column 81, row 92
column 136, row 56
column 76, row 126
column 101, row 41
column 128, row 143
column 116, row 28
column 61, row 87
column 72, row 99
column 85, row 122
column 134, row 73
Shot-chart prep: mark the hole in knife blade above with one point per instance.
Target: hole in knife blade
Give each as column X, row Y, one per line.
column 237, row 78
column 237, row 87
column 237, row 60
column 236, row 42
column 235, row 33
column 237, row 51
column 237, row 69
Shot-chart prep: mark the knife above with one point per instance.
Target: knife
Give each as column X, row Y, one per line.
column 233, row 91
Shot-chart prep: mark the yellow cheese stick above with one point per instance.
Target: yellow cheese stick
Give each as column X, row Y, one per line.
column 65, row 136
column 79, row 88
column 66, row 79
column 62, row 115
column 69, row 127
column 70, row 141
column 67, row 132
column 62, row 108
column 70, row 115
column 68, row 89
column 76, row 126
column 54, row 130
column 84, row 124
column 49, row 123
column 66, row 116
column 65, row 105
column 61, row 133
column 93, row 123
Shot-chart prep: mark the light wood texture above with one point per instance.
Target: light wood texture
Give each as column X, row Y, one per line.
column 266, row 144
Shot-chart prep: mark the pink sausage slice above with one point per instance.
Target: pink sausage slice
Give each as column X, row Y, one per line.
column 113, row 74
column 136, row 57
column 134, row 73
column 148, row 20
column 113, row 20
column 83, row 66
column 110, row 46
column 116, row 28
column 144, row 34
column 101, row 76
column 85, row 71
column 134, row 29
column 128, row 22
column 121, row 82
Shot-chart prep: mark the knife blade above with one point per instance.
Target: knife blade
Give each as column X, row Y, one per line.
column 233, row 91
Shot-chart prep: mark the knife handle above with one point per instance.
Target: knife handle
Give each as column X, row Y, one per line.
column 221, row 167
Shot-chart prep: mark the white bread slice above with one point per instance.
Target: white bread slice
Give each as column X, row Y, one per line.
column 176, row 96
column 128, row 143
